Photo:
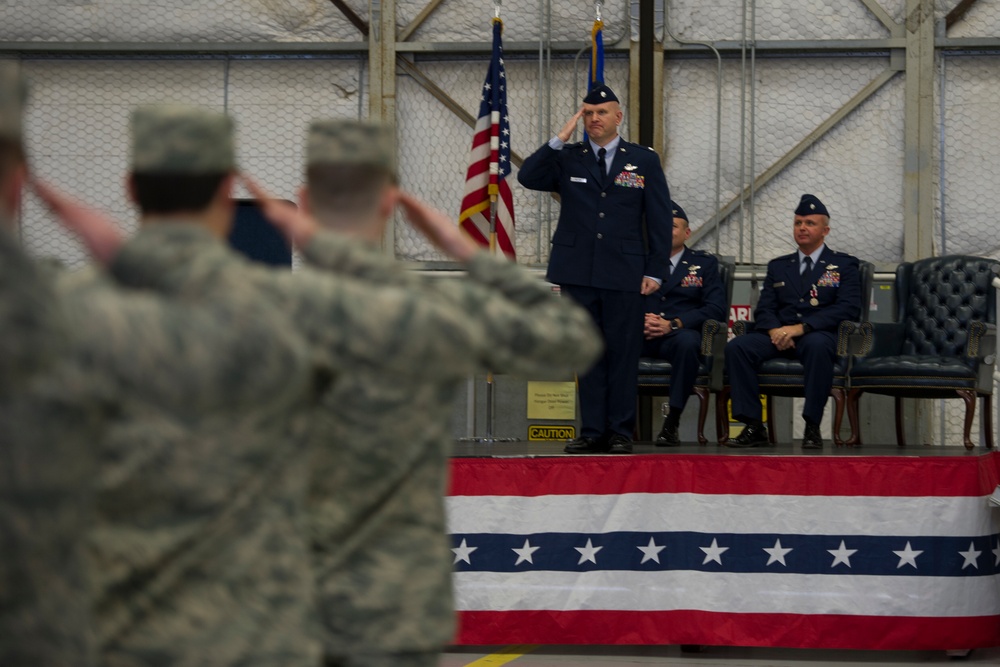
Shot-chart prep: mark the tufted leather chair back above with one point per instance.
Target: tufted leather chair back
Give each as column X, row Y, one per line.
column 938, row 298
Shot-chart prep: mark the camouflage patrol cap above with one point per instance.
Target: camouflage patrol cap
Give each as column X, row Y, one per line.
column 179, row 139
column 13, row 97
column 351, row 142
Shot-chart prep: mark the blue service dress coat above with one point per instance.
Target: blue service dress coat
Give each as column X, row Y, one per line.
column 693, row 293
column 599, row 258
column 598, row 241
column 787, row 297
column 821, row 298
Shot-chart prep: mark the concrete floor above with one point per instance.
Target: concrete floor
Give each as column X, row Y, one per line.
column 714, row 656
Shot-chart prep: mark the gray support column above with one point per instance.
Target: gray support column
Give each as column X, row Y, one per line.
column 918, row 166
column 382, row 77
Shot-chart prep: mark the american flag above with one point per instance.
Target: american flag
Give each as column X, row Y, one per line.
column 852, row 552
column 489, row 162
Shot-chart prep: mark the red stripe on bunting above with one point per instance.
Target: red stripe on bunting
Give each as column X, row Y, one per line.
column 946, row 476
column 480, row 628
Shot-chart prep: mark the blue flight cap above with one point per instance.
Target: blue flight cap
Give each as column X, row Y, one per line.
column 678, row 211
column 600, row 94
column 811, row 205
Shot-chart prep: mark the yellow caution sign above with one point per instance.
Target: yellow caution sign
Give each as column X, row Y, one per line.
column 551, row 432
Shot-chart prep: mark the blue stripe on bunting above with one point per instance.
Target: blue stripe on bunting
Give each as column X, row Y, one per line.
column 743, row 553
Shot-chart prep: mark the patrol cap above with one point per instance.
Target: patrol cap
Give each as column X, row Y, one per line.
column 678, row 211
column 13, row 97
column 600, row 94
column 179, row 139
column 811, row 205
column 351, row 142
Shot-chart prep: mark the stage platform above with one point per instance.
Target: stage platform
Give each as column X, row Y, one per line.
column 878, row 547
column 522, row 448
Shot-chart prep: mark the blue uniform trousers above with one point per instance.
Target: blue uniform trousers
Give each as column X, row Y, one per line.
column 608, row 390
column 682, row 348
column 816, row 350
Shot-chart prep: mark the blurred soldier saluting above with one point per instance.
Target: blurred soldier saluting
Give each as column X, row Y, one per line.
column 375, row 508
column 76, row 352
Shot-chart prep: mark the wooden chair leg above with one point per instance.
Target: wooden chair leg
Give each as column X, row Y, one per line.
column 900, row 435
column 838, row 415
column 988, row 420
column 770, row 419
column 702, row 394
column 853, row 398
column 969, row 396
column 721, row 423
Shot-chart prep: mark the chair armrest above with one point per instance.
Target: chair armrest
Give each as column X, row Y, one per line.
column 740, row 327
column 713, row 337
column 982, row 343
column 849, row 338
column 881, row 339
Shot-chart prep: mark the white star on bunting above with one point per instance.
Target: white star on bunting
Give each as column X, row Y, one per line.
column 713, row 552
column 650, row 552
column 588, row 553
column 970, row 556
column 907, row 557
column 841, row 555
column 462, row 552
column 777, row 553
column 525, row 552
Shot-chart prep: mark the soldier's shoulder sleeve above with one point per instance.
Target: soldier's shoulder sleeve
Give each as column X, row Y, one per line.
column 531, row 329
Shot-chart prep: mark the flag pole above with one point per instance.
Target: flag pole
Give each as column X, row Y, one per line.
column 486, row 188
column 493, row 190
column 490, row 415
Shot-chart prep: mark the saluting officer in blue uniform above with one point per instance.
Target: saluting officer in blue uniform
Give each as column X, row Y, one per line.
column 804, row 298
column 611, row 191
column 691, row 294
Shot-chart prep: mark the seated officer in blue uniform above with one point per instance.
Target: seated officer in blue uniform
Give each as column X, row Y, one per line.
column 691, row 294
column 804, row 298
column 613, row 193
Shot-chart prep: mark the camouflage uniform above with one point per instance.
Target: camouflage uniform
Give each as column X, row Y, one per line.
column 376, row 502
column 45, row 440
column 355, row 327
column 74, row 354
column 196, row 555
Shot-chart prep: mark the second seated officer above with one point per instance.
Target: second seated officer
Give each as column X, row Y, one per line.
column 613, row 192
column 691, row 294
column 804, row 298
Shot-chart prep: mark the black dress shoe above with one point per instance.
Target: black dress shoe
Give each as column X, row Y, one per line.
column 585, row 445
column 754, row 435
column 668, row 437
column 620, row 444
column 812, row 439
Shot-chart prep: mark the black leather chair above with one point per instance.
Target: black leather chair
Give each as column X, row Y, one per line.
column 654, row 374
column 942, row 344
column 786, row 377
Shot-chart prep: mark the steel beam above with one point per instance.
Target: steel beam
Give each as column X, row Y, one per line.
column 883, row 16
column 405, row 33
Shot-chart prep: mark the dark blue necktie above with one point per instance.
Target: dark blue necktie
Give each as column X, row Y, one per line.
column 602, row 164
